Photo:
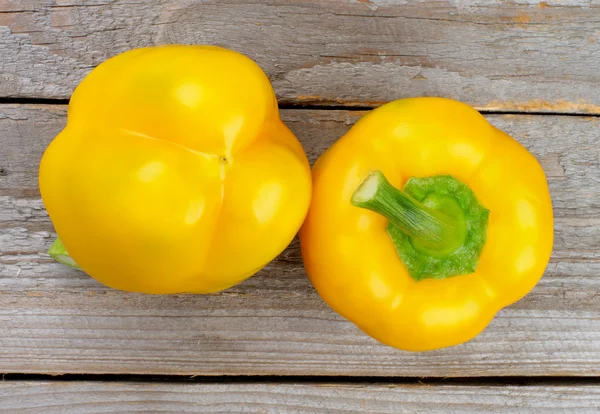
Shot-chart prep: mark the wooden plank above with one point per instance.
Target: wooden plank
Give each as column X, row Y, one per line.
column 508, row 56
column 57, row 320
column 124, row 397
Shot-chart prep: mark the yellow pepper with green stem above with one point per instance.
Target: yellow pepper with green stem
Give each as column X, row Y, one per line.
column 425, row 221
column 174, row 172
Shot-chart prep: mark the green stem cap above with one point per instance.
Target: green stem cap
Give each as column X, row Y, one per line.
column 58, row 252
column 436, row 224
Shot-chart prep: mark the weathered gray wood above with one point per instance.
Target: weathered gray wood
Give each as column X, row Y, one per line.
column 128, row 397
column 56, row 320
column 517, row 56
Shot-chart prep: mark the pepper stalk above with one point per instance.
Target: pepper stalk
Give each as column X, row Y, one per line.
column 436, row 224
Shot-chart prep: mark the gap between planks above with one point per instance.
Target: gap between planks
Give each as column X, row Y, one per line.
column 308, row 379
column 317, row 107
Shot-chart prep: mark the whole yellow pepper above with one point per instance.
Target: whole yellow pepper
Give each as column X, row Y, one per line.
column 174, row 172
column 429, row 266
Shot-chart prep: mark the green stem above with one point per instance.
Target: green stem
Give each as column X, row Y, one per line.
column 429, row 228
column 58, row 252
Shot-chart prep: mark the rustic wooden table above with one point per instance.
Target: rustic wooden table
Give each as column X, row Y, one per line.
column 68, row 344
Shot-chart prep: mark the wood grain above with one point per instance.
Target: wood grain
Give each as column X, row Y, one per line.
column 128, row 397
column 532, row 55
column 57, row 320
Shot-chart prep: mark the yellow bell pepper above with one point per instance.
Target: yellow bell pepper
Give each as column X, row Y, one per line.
column 174, row 172
column 430, row 265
